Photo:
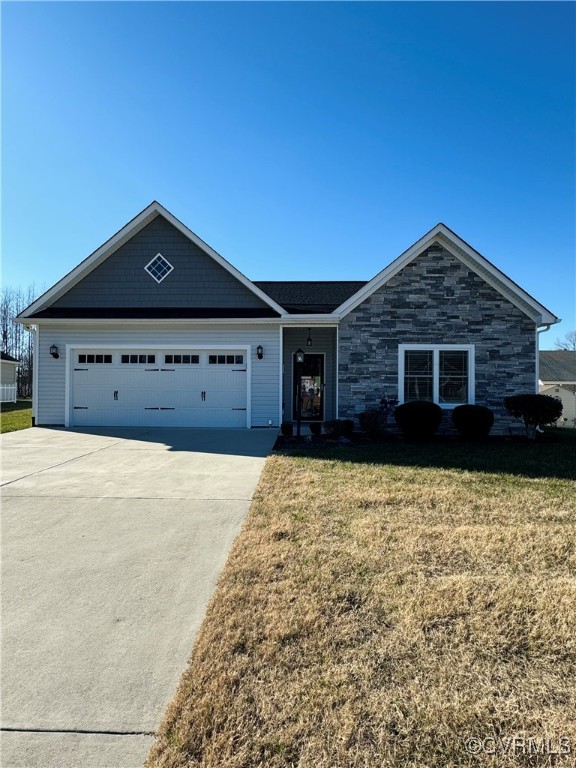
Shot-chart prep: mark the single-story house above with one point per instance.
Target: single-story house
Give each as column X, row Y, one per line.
column 558, row 379
column 157, row 329
column 8, row 385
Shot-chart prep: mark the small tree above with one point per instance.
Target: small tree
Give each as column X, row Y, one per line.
column 536, row 410
column 568, row 342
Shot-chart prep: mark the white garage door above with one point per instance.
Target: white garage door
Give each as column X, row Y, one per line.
column 158, row 388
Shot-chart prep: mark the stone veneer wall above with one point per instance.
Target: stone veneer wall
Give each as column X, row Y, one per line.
column 435, row 300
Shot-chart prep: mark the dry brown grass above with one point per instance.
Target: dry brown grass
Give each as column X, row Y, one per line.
column 375, row 615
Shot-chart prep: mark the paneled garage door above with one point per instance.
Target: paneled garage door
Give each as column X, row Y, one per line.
column 153, row 388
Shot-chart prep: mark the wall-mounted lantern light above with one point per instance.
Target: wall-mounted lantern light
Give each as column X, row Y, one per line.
column 299, row 355
column 259, row 352
column 309, row 339
column 54, row 352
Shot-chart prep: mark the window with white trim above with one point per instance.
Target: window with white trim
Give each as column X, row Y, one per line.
column 441, row 373
column 159, row 268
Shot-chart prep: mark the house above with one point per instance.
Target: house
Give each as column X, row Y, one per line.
column 155, row 328
column 8, row 386
column 558, row 379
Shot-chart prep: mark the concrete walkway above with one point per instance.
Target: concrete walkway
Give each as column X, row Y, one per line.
column 112, row 542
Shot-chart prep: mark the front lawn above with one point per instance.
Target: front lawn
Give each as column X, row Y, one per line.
column 14, row 416
column 384, row 604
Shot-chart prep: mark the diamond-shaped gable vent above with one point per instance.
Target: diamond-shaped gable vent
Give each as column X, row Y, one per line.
column 159, row 268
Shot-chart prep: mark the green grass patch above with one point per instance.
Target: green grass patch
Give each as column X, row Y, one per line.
column 15, row 416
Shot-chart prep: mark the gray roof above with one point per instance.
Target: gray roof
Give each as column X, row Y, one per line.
column 8, row 358
column 558, row 365
column 310, row 296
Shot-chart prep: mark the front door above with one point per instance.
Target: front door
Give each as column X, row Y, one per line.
column 311, row 376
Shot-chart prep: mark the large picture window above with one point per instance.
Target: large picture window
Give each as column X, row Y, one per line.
column 442, row 373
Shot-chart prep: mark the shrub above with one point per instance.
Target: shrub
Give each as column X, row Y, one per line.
column 474, row 421
column 315, row 427
column 372, row 422
column 536, row 410
column 339, row 427
column 287, row 428
column 419, row 418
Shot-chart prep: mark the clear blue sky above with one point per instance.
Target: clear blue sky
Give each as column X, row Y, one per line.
column 300, row 140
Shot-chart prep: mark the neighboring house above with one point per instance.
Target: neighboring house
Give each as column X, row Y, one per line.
column 558, row 379
column 8, row 385
column 155, row 328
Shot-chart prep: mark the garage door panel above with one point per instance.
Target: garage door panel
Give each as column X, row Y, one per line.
column 159, row 394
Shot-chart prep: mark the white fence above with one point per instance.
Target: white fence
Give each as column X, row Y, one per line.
column 7, row 393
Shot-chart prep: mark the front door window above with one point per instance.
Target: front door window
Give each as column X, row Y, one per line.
column 311, row 375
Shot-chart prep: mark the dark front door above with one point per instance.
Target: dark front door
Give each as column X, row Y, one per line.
column 311, row 375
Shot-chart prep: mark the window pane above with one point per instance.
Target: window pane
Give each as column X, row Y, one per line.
column 239, row 359
column 195, row 359
column 229, row 359
column 99, row 358
column 453, row 377
column 221, row 359
column 418, row 388
column 151, row 358
column 186, row 358
column 418, row 363
column 133, row 358
column 211, row 359
column 418, row 379
column 142, row 358
column 168, row 358
column 81, row 358
column 178, row 359
column 107, row 358
column 125, row 358
column 89, row 358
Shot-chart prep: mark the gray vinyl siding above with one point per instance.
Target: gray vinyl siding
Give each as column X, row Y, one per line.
column 196, row 280
column 323, row 341
column 265, row 386
column 7, row 373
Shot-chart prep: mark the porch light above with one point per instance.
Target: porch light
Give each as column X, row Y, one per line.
column 259, row 352
column 54, row 351
column 309, row 339
column 299, row 356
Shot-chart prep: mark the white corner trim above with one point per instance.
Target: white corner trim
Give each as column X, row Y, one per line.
column 435, row 349
column 129, row 230
column 35, row 366
column 485, row 269
column 281, row 376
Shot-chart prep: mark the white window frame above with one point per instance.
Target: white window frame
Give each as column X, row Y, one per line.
column 436, row 349
column 154, row 276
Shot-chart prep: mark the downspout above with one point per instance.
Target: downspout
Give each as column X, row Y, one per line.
column 543, row 329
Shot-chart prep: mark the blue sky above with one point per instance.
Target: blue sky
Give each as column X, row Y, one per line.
column 300, row 140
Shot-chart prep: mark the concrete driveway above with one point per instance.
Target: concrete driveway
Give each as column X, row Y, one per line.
column 112, row 542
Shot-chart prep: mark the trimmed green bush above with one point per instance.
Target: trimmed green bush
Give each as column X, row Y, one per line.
column 473, row 421
column 339, row 427
column 536, row 410
column 373, row 422
column 419, row 418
